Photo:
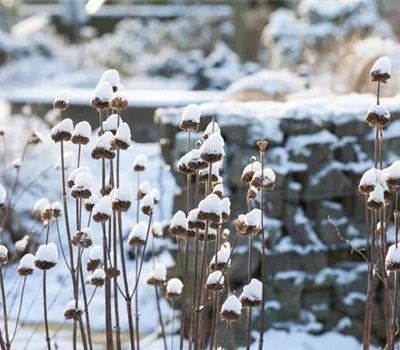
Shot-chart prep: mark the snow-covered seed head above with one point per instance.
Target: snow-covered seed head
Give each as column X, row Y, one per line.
column 212, row 149
column 122, row 138
column 81, row 133
column 381, row 228
column 190, row 118
column 35, row 138
column 91, row 201
column 392, row 260
column 393, row 174
column 231, row 309
column 82, row 185
column 249, row 170
column 98, row 278
column 226, row 209
column 155, row 193
column 210, row 209
column 376, row 198
column 112, row 123
column 183, row 165
column 225, row 234
column 111, row 76
column 381, row 70
column 119, row 99
column 252, row 294
column 264, row 178
column 212, row 128
column 61, row 101
column 102, row 210
column 195, row 162
column 16, row 163
column 138, row 235
column 39, row 206
column 178, row 224
column 46, row 256
column 73, row 310
column 122, row 197
column 62, row 131
column 103, row 148
column 194, row 222
column 147, row 204
column 252, row 193
column 3, row 196
column 95, row 256
column 57, row 209
column 158, row 276
column 83, row 238
column 221, row 260
column 215, row 281
column 26, row 265
column 174, row 288
column 377, row 115
column 143, row 190
column 3, row 255
column 73, row 174
column 218, row 189
column 102, row 95
column 47, row 214
column 368, row 181
column 157, row 230
column 140, row 163
column 262, row 145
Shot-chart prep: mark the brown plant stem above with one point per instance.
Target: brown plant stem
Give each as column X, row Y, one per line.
column 137, row 328
column 46, row 323
column 85, row 302
column 5, row 315
column 19, row 310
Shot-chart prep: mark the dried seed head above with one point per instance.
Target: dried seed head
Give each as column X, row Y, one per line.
column 392, row 260
column 174, row 288
column 231, row 309
column 262, row 145
column 26, row 265
column 381, row 70
column 3, row 255
column 74, row 310
column 61, row 101
column 35, row 138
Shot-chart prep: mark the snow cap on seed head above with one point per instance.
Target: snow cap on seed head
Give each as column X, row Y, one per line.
column 157, row 229
column 381, row 70
column 147, row 204
column 63, row 130
column 392, row 260
column 46, row 256
column 112, row 123
column 192, row 112
column 231, row 308
column 61, row 101
column 140, row 163
column 26, row 265
column 211, row 128
column 81, row 134
column 3, row 255
column 102, row 210
column 156, row 195
column 212, row 150
column 138, row 234
column 211, row 204
column 174, row 287
column 253, row 290
column 122, row 138
column 111, row 76
column 102, row 95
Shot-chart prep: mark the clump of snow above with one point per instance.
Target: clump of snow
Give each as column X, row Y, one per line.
column 233, row 304
column 174, row 286
column 99, row 273
column 3, row 195
column 104, row 140
column 96, row 253
column 123, row 193
column 219, row 188
column 139, row 231
column 251, row 168
column 157, row 229
column 83, row 181
column 124, row 133
column 268, row 179
column 192, row 112
column 22, row 244
column 40, row 205
column 159, row 272
column 111, row 76
column 211, row 204
column 222, row 256
column 192, row 216
column 65, row 125
column 82, row 169
column 3, row 252
column 103, row 206
column 213, row 145
column 16, row 163
column 147, row 201
column 27, row 262
column 253, row 290
column 377, row 195
column 212, row 128
column 48, row 253
column 103, row 91
column 215, row 277
column 380, row 110
column 82, row 129
column 179, row 220
column 382, row 65
column 144, row 187
column 93, row 199
column 112, row 122
column 370, row 177
column 156, row 195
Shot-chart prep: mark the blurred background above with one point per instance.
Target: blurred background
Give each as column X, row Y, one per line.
column 295, row 73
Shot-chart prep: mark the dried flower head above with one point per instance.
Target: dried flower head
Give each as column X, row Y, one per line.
column 158, row 276
column 392, row 260
column 98, row 278
column 252, row 294
column 102, row 95
column 138, row 235
column 122, row 197
column 122, row 138
column 62, row 131
column 381, row 70
column 46, row 256
column 74, row 310
column 26, row 265
column 102, row 210
column 178, row 224
column 103, row 148
column 140, row 163
column 215, row 281
column 3, row 255
column 212, row 149
column 231, row 309
column 81, row 133
column 61, row 101
column 190, row 118
column 95, row 256
column 174, row 288
column 377, row 115
column 262, row 145
column 157, row 230
column 35, row 138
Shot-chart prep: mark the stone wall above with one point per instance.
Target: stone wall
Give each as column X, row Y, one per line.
column 319, row 149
